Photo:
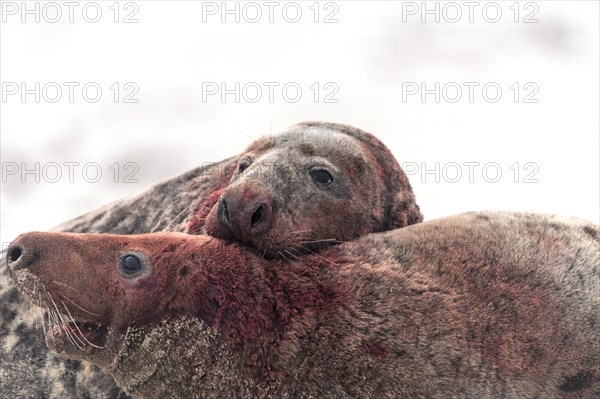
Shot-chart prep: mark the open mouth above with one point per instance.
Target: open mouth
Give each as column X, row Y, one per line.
column 66, row 331
column 90, row 332
column 67, row 336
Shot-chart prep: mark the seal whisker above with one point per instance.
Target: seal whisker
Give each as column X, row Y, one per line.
column 52, row 335
column 60, row 319
column 73, row 337
column 283, row 256
column 55, row 319
column 81, row 333
column 64, row 322
column 51, row 318
column 75, row 323
column 296, row 245
column 65, row 285
column 304, row 238
column 44, row 310
column 175, row 218
column 43, row 314
column 86, row 340
column 250, row 137
column 318, row 241
column 161, row 218
column 37, row 308
column 291, row 254
column 55, row 307
column 79, row 307
column 316, row 254
column 295, row 252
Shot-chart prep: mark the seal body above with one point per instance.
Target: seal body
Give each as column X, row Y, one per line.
column 311, row 186
column 477, row 305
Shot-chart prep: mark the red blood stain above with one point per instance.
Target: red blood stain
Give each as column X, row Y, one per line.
column 203, row 208
column 376, row 350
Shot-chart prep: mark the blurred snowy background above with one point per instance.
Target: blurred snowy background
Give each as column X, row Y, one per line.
column 356, row 62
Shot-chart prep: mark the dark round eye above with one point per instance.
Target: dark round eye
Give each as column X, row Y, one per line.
column 130, row 264
column 243, row 166
column 321, row 176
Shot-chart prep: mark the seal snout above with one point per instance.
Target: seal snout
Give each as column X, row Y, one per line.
column 245, row 213
column 20, row 253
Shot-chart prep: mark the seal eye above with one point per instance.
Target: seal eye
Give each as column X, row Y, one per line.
column 321, row 176
column 130, row 264
column 243, row 166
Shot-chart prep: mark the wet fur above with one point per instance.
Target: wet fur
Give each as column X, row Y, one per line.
column 477, row 305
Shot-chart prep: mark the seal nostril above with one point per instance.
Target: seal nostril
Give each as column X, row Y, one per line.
column 15, row 253
column 224, row 212
column 257, row 216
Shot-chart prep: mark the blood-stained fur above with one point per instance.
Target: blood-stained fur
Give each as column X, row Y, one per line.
column 480, row 305
column 181, row 204
column 27, row 369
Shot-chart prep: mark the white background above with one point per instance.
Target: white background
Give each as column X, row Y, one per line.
column 369, row 55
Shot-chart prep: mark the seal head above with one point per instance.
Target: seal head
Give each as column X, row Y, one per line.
column 314, row 185
column 74, row 275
